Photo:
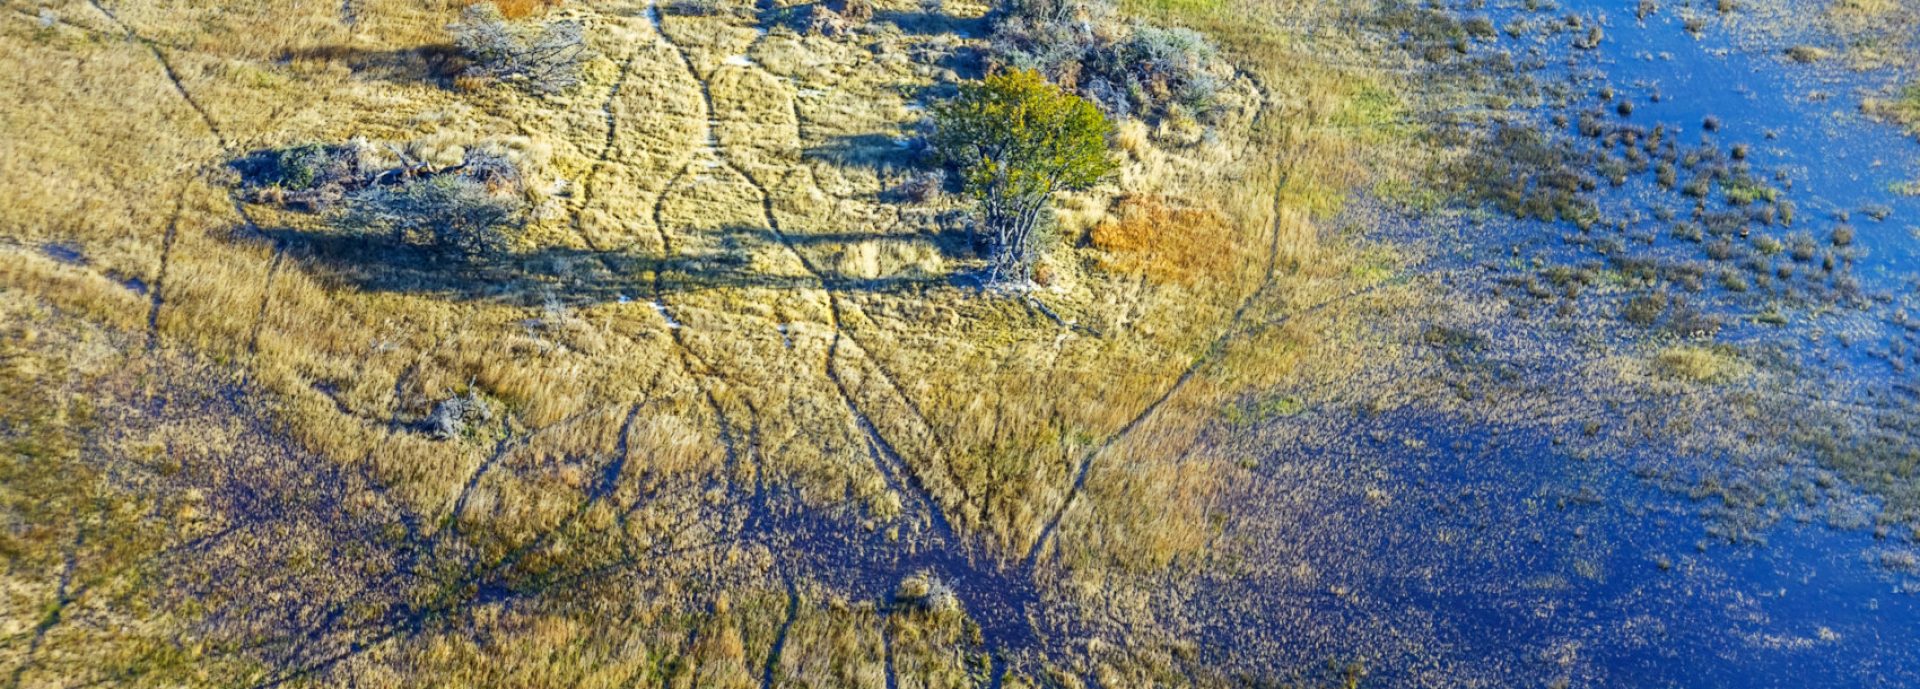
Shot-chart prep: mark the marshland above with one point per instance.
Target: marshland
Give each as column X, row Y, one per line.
column 959, row 343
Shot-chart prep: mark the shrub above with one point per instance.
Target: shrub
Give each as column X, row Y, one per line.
column 540, row 57
column 1128, row 69
column 1645, row 309
column 1169, row 65
column 450, row 417
column 1842, row 235
column 833, row 18
column 928, row 593
column 297, row 167
column 451, row 211
column 1017, row 141
column 854, row 11
column 920, row 188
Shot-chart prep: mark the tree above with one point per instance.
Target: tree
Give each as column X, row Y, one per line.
column 1017, row 140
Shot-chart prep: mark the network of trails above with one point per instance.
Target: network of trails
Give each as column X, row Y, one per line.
column 750, row 407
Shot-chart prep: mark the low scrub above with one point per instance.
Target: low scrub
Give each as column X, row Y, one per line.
column 475, row 207
column 309, row 176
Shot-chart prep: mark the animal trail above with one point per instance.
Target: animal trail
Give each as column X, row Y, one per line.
column 157, row 290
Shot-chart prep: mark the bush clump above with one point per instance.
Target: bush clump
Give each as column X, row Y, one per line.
column 541, row 57
column 1130, row 69
column 476, row 205
column 929, row 594
column 312, row 176
column 450, row 418
column 475, row 209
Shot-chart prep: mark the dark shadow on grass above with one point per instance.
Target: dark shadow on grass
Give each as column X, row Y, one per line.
column 434, row 64
column 880, row 152
column 575, row 276
column 935, row 23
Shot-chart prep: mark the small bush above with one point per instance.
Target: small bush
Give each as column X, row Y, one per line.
column 822, row 19
column 928, row 593
column 1802, row 246
column 1842, row 235
column 920, row 188
column 1645, row 309
column 542, row 58
column 854, row 11
column 451, row 416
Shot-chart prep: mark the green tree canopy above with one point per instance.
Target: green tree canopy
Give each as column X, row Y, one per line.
column 1017, row 140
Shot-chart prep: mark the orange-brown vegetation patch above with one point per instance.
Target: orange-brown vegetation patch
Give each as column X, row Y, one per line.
column 1165, row 242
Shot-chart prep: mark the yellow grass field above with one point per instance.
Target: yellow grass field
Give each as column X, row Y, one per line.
column 721, row 319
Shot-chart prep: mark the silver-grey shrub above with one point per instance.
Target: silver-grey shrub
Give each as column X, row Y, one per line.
column 454, row 212
column 541, row 57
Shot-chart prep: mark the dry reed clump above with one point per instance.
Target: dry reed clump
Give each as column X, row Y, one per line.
column 521, row 9
column 1167, row 244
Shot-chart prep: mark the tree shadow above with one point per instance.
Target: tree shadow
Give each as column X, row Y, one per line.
column 435, row 64
column 926, row 23
column 905, row 161
column 579, row 277
column 771, row 15
column 876, row 151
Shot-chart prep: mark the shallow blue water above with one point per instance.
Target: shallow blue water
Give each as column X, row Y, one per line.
column 1499, row 558
column 1493, row 557
column 1803, row 120
column 1812, row 606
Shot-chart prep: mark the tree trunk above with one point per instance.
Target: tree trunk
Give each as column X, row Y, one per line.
column 1013, row 222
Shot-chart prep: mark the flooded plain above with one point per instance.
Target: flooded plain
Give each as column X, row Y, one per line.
column 1673, row 184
